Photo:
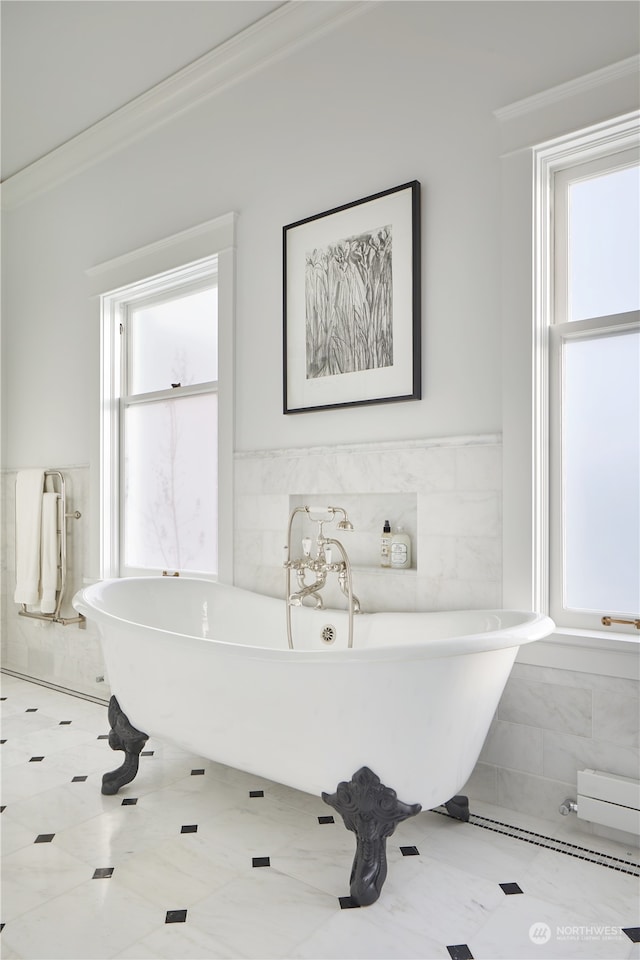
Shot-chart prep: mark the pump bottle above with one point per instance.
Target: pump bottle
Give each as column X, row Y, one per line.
column 385, row 545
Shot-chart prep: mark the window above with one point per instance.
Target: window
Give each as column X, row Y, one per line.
column 588, row 381
column 166, row 439
column 168, row 423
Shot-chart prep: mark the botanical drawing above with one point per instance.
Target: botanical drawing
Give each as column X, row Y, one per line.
column 348, row 299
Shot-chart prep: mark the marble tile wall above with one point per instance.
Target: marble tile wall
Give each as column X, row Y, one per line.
column 68, row 656
column 446, row 493
column 551, row 723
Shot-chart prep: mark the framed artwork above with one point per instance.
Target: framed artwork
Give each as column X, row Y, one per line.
column 351, row 288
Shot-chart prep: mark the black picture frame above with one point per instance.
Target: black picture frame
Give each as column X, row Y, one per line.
column 351, row 304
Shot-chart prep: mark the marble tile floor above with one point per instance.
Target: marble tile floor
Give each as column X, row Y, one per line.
column 198, row 860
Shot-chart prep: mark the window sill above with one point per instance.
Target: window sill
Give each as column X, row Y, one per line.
column 599, row 639
column 586, row 651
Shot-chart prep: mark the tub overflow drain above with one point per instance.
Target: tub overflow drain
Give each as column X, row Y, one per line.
column 328, row 634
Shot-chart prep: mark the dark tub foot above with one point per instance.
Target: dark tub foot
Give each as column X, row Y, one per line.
column 122, row 736
column 372, row 811
column 458, row 807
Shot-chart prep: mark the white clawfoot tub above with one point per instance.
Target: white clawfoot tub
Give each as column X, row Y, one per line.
column 207, row 667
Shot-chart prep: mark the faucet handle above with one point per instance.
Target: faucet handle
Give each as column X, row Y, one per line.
column 306, row 546
column 328, row 554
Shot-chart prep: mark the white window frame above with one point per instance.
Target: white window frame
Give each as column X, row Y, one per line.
column 190, row 256
column 556, row 166
column 594, row 102
column 117, row 309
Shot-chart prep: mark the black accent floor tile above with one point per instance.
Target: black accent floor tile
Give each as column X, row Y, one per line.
column 31, row 710
column 256, row 793
column 65, row 723
column 197, row 773
column 147, row 753
column 510, row 888
column 129, row 801
column 78, row 779
column 2, row 924
column 409, row 851
column 176, row 916
column 35, row 759
column 189, row 828
column 346, row 903
column 44, row 838
column 261, row 862
column 3, row 698
column 633, row 933
column 102, row 873
column 460, row 951
column 3, row 808
column 3, row 741
column 328, row 819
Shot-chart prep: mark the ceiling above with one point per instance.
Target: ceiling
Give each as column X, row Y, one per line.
column 65, row 64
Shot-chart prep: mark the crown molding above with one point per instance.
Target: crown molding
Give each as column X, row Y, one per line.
column 292, row 25
column 597, row 78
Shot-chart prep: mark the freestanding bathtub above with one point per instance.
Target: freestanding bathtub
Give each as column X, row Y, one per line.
column 207, row 667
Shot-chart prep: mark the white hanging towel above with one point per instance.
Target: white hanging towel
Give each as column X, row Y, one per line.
column 29, row 491
column 49, row 553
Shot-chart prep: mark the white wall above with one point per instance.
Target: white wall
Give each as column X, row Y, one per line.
column 403, row 91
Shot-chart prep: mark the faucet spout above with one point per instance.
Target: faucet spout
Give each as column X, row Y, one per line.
column 308, row 590
column 344, row 586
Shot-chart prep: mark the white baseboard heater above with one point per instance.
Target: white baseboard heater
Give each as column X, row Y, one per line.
column 610, row 800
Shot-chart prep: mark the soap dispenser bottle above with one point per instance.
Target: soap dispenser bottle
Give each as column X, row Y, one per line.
column 400, row 549
column 385, row 545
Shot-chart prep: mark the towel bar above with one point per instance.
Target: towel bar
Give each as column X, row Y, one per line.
column 75, row 515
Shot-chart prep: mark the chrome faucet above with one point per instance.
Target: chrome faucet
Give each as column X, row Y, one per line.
column 320, row 565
